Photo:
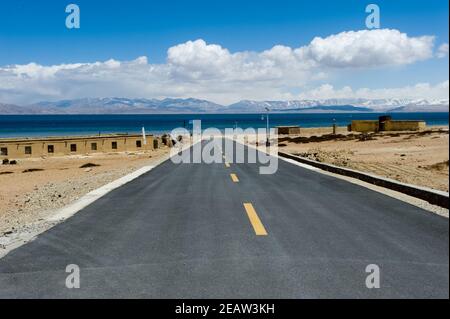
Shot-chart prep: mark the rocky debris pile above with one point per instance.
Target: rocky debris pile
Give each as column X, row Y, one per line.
column 88, row 165
column 366, row 137
column 339, row 158
column 437, row 167
column 31, row 170
column 321, row 138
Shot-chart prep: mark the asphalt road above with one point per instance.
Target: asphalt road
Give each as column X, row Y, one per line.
column 183, row 231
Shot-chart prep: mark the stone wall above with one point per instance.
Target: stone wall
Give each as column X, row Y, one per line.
column 365, row 126
column 288, row 130
column 405, row 125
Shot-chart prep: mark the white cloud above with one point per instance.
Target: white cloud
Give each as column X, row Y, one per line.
column 439, row 91
column 442, row 51
column 198, row 69
column 368, row 48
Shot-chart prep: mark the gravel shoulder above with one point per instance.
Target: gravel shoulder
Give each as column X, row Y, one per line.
column 35, row 189
column 418, row 158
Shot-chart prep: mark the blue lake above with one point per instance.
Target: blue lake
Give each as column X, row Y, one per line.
column 54, row 125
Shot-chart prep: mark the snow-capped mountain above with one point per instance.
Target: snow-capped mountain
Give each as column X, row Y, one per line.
column 419, row 104
column 191, row 105
column 361, row 105
column 13, row 109
column 126, row 106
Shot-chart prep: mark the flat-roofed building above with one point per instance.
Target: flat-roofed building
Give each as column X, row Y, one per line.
column 60, row 146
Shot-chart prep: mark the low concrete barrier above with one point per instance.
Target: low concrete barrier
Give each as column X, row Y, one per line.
column 430, row 195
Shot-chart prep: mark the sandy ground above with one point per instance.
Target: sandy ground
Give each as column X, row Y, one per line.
column 419, row 158
column 36, row 188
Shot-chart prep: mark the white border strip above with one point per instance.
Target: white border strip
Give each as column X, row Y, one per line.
column 94, row 195
column 66, row 212
column 423, row 204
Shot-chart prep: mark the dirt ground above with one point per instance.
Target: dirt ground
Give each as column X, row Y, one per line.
column 419, row 158
column 35, row 188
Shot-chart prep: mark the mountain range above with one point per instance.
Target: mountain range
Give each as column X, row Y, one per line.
column 191, row 105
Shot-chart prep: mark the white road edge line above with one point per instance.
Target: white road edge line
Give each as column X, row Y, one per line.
column 70, row 210
column 388, row 192
column 92, row 196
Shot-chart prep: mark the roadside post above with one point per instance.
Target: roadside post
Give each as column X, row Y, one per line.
column 267, row 129
column 144, row 137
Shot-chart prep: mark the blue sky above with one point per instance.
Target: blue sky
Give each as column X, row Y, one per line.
column 34, row 31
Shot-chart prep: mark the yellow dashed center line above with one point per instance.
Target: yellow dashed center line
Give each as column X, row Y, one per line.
column 254, row 219
column 258, row 226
